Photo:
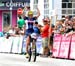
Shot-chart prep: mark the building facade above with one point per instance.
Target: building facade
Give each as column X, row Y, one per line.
column 8, row 12
column 53, row 8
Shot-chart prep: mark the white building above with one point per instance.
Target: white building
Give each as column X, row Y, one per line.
column 49, row 8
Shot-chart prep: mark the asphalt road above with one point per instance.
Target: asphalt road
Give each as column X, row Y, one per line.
column 20, row 60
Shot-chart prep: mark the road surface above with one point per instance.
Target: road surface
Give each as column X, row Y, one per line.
column 20, row 60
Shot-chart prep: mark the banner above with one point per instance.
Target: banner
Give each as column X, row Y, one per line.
column 39, row 45
column 1, row 44
column 5, row 44
column 65, row 45
column 17, row 44
column 56, row 44
column 72, row 48
column 20, row 44
column 24, row 45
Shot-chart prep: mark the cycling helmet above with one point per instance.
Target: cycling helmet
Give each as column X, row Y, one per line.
column 30, row 12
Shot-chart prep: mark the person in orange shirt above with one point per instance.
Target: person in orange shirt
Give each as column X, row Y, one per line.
column 44, row 35
column 50, row 37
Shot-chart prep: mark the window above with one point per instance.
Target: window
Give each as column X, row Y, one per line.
column 35, row 7
column 69, row 5
column 63, row 5
column 46, row 11
column 46, row 5
column 35, row 4
column 69, row 11
column 64, row 11
column 65, row 0
column 35, row 13
column 73, row 5
column 73, row 11
column 73, row 0
column 46, row 1
column 6, row 20
column 46, row 15
column 35, row 1
column 46, row 8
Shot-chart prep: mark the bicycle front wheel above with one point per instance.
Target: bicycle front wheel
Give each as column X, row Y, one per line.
column 30, row 53
column 34, row 51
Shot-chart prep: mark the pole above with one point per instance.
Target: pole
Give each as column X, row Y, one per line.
column 49, row 29
column 11, row 13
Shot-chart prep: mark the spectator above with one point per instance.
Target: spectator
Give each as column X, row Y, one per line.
column 21, row 23
column 39, row 27
column 22, row 31
column 67, row 18
column 50, row 36
column 36, row 29
column 12, row 31
column 73, row 20
column 59, row 27
column 44, row 34
column 1, row 34
column 68, row 26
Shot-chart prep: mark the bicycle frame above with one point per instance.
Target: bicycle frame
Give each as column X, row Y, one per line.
column 32, row 48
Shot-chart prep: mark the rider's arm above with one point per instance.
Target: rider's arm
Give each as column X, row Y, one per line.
column 38, row 13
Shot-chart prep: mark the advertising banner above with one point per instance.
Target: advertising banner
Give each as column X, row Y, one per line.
column 1, row 44
column 5, row 44
column 20, row 44
column 72, row 48
column 39, row 45
column 15, row 46
column 56, row 44
column 65, row 45
column 24, row 45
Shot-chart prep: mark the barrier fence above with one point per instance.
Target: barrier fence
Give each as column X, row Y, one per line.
column 64, row 46
column 17, row 45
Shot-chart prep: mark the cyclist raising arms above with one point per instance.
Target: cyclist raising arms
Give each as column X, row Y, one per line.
column 30, row 20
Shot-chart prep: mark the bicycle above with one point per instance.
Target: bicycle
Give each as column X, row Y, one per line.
column 32, row 47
